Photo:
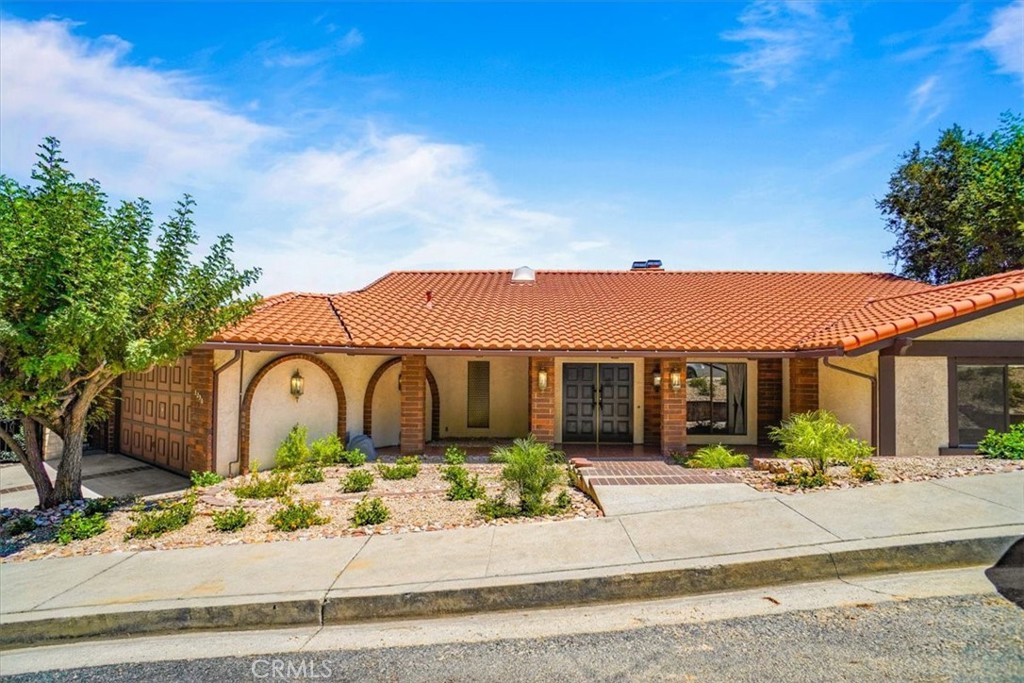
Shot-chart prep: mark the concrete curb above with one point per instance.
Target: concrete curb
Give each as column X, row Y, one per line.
column 678, row 579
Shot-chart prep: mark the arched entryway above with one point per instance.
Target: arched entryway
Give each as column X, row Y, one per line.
column 371, row 387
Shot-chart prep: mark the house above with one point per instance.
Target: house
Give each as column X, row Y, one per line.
column 646, row 356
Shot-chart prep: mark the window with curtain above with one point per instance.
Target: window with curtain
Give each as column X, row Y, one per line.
column 987, row 397
column 716, row 398
column 478, row 395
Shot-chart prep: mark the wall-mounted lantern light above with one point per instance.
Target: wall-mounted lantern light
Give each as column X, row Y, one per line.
column 542, row 380
column 298, row 385
column 675, row 379
column 656, row 377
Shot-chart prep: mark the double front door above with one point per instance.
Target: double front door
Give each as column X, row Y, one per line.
column 597, row 403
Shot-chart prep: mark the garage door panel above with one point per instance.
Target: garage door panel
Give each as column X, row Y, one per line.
column 155, row 415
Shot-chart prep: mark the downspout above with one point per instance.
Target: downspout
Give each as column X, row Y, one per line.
column 874, row 395
column 216, row 403
column 238, row 426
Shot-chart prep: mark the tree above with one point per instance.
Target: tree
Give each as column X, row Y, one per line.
column 957, row 210
column 85, row 296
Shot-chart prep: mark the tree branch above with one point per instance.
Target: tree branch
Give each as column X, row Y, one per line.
column 13, row 444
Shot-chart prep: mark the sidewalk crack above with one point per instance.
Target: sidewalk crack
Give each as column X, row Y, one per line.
column 827, row 531
column 938, row 482
column 490, row 553
column 71, row 588
column 635, row 549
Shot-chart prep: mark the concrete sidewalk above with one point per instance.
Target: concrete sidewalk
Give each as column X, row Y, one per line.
column 764, row 540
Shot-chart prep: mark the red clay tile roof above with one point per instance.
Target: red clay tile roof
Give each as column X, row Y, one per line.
column 619, row 311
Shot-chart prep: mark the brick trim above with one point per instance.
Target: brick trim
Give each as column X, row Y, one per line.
column 250, row 393
column 769, row 397
column 673, row 408
column 435, row 399
column 542, row 403
column 199, row 442
column 413, row 405
column 652, row 404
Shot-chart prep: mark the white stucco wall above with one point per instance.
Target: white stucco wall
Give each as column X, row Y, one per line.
column 510, row 396
column 387, row 409
column 922, row 405
column 1006, row 325
column 848, row 396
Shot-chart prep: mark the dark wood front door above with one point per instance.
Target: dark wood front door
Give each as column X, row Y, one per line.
column 597, row 403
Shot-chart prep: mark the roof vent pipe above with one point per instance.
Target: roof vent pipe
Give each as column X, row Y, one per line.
column 430, row 299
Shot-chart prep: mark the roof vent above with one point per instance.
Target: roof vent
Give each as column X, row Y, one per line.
column 649, row 264
column 523, row 274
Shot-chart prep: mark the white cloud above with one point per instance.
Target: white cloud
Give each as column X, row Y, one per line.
column 782, row 38
column 274, row 55
column 927, row 100
column 327, row 216
column 1005, row 39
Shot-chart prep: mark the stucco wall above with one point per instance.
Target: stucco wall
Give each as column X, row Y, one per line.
column 922, row 417
column 848, row 396
column 510, row 396
column 1006, row 325
column 387, row 409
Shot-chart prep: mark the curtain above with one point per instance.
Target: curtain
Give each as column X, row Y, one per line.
column 736, row 379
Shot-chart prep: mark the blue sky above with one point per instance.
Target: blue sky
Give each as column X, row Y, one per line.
column 339, row 141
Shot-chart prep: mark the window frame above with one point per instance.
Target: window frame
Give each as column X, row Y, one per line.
column 471, row 398
column 953, row 400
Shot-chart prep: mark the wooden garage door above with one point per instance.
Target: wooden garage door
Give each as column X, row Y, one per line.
column 156, row 413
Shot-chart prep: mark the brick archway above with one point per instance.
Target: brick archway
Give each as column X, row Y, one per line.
column 250, row 393
column 435, row 399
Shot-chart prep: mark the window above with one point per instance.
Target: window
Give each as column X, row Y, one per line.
column 988, row 397
column 716, row 398
column 478, row 395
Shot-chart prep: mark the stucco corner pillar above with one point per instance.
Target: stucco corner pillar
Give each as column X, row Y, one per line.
column 199, row 455
column 414, row 405
column 673, row 407
column 803, row 385
column 542, row 401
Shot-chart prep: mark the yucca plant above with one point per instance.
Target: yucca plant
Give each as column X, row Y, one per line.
column 819, row 438
column 532, row 468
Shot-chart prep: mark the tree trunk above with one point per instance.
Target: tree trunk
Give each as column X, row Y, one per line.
column 31, row 458
column 69, row 474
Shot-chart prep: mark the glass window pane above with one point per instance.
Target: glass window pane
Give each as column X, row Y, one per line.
column 981, row 401
column 716, row 398
column 698, row 398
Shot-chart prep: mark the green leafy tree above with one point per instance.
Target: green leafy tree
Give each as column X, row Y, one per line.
column 957, row 210
column 87, row 294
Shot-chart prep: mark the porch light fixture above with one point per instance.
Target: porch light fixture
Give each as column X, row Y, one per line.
column 656, row 377
column 675, row 379
column 542, row 380
column 298, row 385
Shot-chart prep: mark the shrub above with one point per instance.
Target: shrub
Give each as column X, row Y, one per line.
column 309, row 473
column 864, row 470
column 80, row 526
column 104, row 505
column 301, row 515
column 201, row 479
column 166, row 517
column 293, row 451
column 370, row 511
column 276, row 485
column 1007, row 445
column 563, row 501
column 462, row 486
column 353, row 458
column 532, row 469
column 21, row 525
column 232, row 519
column 406, row 467
column 453, row 455
column 327, row 451
column 716, row 457
column 679, row 457
column 356, row 481
column 820, row 439
column 497, row 507
column 802, row 478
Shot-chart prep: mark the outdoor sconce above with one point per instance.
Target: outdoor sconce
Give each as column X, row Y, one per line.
column 298, row 385
column 656, row 377
column 542, row 380
column 675, row 379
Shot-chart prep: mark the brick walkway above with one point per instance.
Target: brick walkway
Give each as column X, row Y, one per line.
column 649, row 473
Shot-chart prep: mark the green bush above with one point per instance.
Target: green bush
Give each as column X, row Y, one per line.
column 353, row 458
column 453, row 455
column 201, row 479
column 258, row 486
column 820, row 439
column 370, row 511
column 356, row 481
column 462, row 486
column 309, row 473
column 406, row 467
column 563, row 501
column 327, row 451
column 716, row 457
column 802, row 478
column 679, row 457
column 532, row 468
column 1007, row 445
column 104, row 505
column 232, row 519
column 79, row 526
column 21, row 525
column 864, row 470
column 497, row 507
column 167, row 516
column 293, row 451
column 301, row 515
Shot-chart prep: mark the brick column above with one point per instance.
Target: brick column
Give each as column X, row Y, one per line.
column 199, row 455
column 803, row 384
column 769, row 397
column 542, row 403
column 673, row 407
column 414, row 405
column 652, row 405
